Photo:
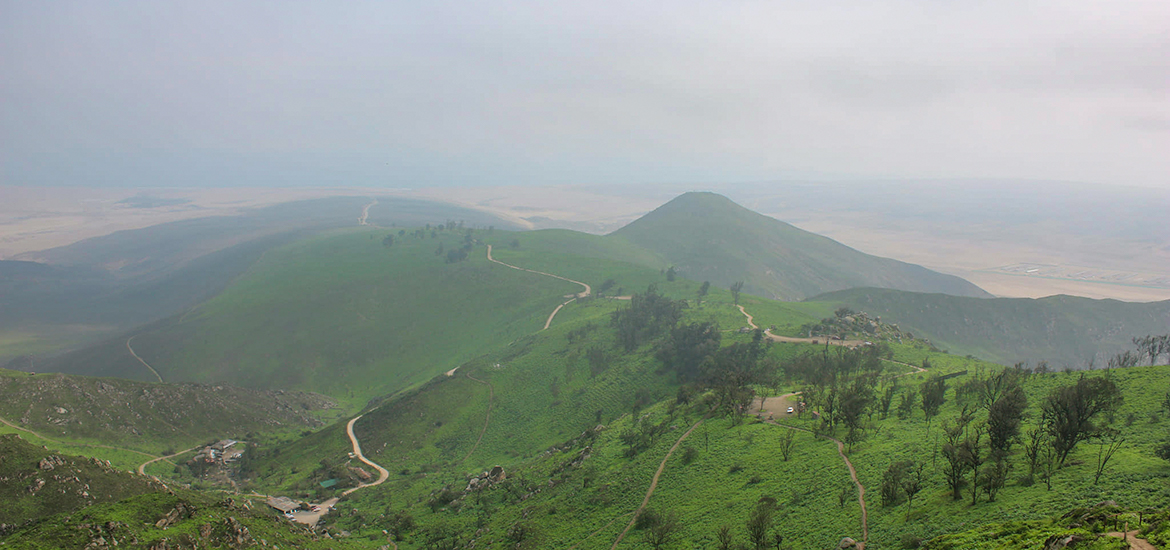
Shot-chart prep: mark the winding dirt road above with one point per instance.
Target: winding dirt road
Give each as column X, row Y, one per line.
column 588, row 290
column 140, row 360
column 795, row 340
column 383, row 475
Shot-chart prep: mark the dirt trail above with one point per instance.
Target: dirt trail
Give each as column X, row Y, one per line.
column 587, row 292
column 852, row 474
column 383, row 475
column 140, row 360
column 1134, row 542
column 366, row 213
column 653, row 485
column 142, row 467
column 487, row 417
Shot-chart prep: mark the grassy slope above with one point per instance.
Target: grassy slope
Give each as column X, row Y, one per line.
column 82, row 500
column 343, row 315
column 1059, row 329
column 127, row 278
column 709, row 237
column 151, row 418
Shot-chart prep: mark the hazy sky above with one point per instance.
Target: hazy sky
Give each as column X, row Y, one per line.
column 409, row 94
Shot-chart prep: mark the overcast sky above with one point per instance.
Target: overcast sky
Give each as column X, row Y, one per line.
column 411, row 94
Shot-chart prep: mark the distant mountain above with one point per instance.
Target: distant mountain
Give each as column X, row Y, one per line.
column 1063, row 330
column 709, row 237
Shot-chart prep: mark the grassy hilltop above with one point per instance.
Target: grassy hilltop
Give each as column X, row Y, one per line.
column 711, row 238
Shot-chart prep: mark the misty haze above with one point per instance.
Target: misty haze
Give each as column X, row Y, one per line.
column 788, row 275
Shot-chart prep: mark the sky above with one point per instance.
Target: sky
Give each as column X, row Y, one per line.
column 417, row 94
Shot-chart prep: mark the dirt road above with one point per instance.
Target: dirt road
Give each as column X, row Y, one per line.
column 142, row 467
column 366, row 213
column 1134, row 542
column 383, row 475
column 794, row 340
column 588, row 290
column 140, row 360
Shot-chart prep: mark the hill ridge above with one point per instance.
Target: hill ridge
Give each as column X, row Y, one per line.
column 709, row 237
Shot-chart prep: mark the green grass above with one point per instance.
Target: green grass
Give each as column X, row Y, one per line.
column 709, row 237
column 129, row 422
column 1063, row 330
column 342, row 315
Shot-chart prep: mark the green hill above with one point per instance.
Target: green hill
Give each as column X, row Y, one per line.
column 341, row 314
column 1063, row 330
column 708, row 237
column 82, row 292
column 98, row 413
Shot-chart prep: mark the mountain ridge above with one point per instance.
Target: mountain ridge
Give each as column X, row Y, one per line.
column 709, row 237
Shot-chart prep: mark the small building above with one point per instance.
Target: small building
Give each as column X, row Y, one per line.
column 284, row 504
column 328, row 483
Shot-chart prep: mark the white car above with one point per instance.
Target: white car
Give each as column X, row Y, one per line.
column 790, row 410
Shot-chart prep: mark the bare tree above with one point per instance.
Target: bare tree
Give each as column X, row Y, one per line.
column 1108, row 441
column 735, row 290
column 787, row 441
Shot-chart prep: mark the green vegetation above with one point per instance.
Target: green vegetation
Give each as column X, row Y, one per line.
column 1062, row 330
column 396, row 317
column 499, row 433
column 112, row 415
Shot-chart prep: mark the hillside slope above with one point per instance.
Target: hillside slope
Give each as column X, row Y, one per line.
column 1059, row 329
column 708, row 237
column 341, row 314
column 149, row 417
column 68, row 295
column 60, row 501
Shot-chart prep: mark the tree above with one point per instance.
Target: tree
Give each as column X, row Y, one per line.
column 787, row 441
column 1108, row 441
column 891, row 488
column 736, row 288
column 388, row 241
column 1123, row 360
column 1033, row 447
column 995, row 477
column 1068, row 412
column 671, row 273
column 955, row 468
column 887, row 399
column 1003, row 419
column 688, row 347
column 759, row 523
column 702, row 292
column 724, row 537
column 972, row 452
column 659, row 533
column 912, row 483
column 933, row 393
column 515, row 243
